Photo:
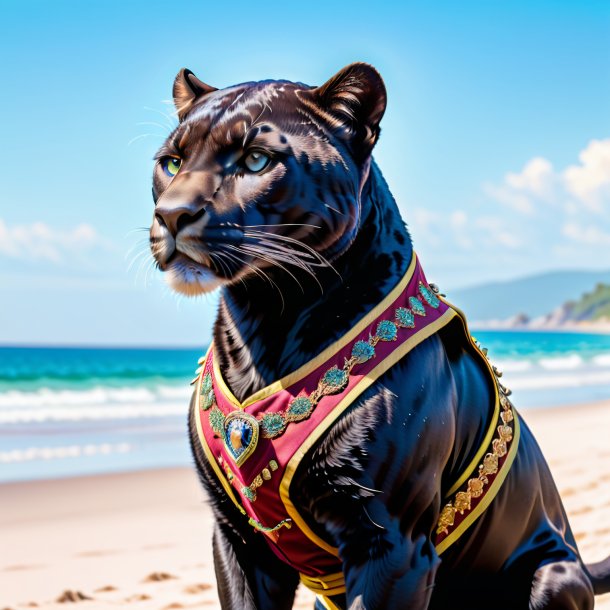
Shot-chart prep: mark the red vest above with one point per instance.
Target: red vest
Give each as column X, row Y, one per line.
column 256, row 446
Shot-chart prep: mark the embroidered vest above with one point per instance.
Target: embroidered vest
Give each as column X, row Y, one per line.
column 256, row 446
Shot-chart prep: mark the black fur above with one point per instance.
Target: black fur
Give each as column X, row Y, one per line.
column 374, row 485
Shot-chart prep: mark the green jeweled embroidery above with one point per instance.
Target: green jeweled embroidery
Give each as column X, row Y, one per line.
column 273, row 424
column 217, row 420
column 300, row 408
column 207, row 400
column 249, row 494
column 362, row 351
column 429, row 296
column 334, row 380
column 206, row 392
column 387, row 331
column 206, row 384
column 404, row 318
column 417, row 306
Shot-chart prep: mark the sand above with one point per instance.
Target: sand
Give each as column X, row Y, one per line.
column 143, row 540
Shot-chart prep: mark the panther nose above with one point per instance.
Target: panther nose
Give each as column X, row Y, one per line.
column 177, row 214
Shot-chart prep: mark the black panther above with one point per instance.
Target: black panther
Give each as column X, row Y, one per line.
column 268, row 191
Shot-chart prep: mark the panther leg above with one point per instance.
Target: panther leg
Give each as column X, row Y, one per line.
column 562, row 585
column 249, row 576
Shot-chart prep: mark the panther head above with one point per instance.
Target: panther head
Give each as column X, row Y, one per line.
column 262, row 177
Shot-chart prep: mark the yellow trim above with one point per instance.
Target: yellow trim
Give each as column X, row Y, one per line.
column 328, row 584
column 488, row 497
column 321, row 358
column 211, row 459
column 347, row 400
column 492, row 426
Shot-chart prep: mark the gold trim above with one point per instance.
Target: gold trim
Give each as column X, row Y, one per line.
column 486, row 442
column 324, row 356
column 328, row 584
column 364, row 383
column 208, row 453
column 489, row 496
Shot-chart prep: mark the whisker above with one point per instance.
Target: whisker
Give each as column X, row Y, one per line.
column 261, row 273
column 172, row 121
column 258, row 253
column 323, row 261
column 153, row 124
column 144, row 135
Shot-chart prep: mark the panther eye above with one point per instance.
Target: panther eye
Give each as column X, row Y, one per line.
column 171, row 165
column 256, row 161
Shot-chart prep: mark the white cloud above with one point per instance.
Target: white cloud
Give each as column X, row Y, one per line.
column 590, row 235
column 436, row 229
column 583, row 185
column 589, row 182
column 537, row 182
column 496, row 232
column 40, row 242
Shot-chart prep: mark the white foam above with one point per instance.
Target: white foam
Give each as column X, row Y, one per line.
column 601, row 360
column 95, row 396
column 513, row 366
column 90, row 413
column 571, row 380
column 55, row 453
column 561, row 363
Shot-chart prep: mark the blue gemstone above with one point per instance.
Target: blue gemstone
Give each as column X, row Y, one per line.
column 417, row 306
column 429, row 296
column 362, row 351
column 386, row 330
column 238, row 436
column 405, row 318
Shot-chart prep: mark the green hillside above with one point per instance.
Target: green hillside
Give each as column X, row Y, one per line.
column 591, row 306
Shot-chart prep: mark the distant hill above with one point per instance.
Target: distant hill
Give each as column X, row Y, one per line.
column 592, row 306
column 532, row 296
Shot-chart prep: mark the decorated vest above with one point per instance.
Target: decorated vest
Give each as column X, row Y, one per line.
column 256, row 446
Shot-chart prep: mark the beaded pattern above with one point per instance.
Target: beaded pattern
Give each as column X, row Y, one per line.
column 335, row 379
column 249, row 491
column 475, row 487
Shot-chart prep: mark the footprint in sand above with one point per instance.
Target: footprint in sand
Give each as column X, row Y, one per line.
column 173, row 606
column 138, row 597
column 106, row 589
column 159, row 576
column 197, row 588
column 71, row 596
column 23, row 567
column 157, row 547
column 97, row 553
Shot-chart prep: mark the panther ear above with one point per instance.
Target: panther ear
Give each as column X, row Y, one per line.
column 187, row 89
column 356, row 98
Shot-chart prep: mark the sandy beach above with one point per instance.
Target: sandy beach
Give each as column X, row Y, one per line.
column 143, row 540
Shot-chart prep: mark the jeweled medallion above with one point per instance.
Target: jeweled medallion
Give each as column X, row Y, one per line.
column 240, row 435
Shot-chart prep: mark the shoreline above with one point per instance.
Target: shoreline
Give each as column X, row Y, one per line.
column 587, row 329
column 142, row 538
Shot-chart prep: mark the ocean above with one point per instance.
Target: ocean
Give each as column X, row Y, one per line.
column 76, row 411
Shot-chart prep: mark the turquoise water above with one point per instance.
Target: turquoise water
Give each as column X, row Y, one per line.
column 71, row 411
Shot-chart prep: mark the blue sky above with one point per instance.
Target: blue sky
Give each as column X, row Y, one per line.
column 496, row 142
